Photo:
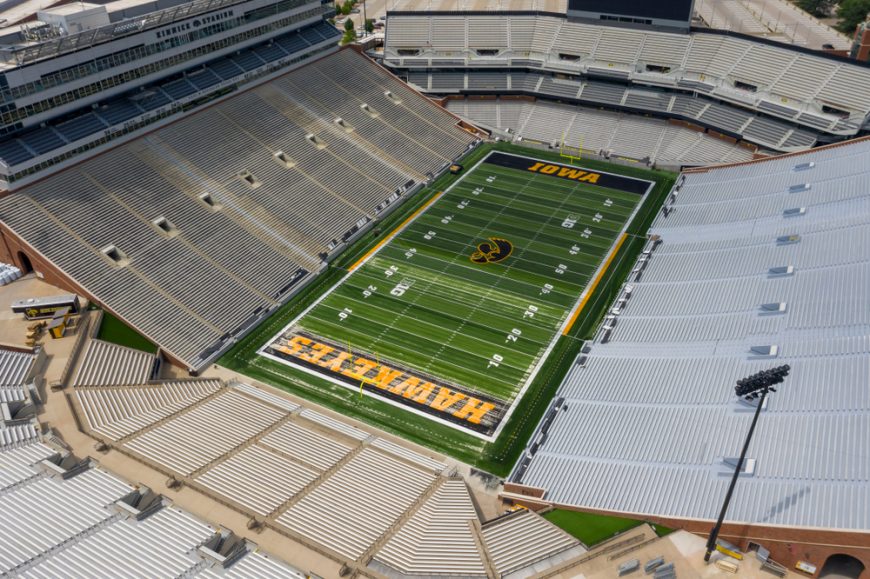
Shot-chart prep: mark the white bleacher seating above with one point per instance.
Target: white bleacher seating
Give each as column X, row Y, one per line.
column 622, row 134
column 370, row 478
column 240, row 253
column 257, row 478
column 701, row 61
column 520, row 539
column 438, row 539
column 199, row 436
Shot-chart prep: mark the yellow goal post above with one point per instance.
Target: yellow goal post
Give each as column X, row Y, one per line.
column 567, row 151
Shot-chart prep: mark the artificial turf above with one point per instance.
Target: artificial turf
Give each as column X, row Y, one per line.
column 496, row 457
column 422, row 302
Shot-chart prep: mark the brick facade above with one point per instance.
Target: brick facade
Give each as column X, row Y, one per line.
column 787, row 545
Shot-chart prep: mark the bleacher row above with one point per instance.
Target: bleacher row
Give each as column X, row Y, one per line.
column 721, row 117
column 598, row 131
column 17, row 378
column 262, row 456
column 15, row 371
column 94, row 121
column 763, row 77
column 108, row 363
column 353, row 495
column 755, row 266
column 199, row 237
column 64, row 518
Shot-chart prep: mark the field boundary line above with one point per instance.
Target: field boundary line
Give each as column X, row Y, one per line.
column 395, row 232
column 590, row 289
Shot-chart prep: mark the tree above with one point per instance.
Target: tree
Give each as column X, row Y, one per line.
column 818, row 8
column 347, row 7
column 851, row 14
column 349, row 36
column 370, row 26
column 349, row 32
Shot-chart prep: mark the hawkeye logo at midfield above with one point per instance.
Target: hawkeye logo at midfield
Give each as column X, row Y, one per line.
column 565, row 172
column 493, row 251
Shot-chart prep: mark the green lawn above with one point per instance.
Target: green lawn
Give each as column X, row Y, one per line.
column 495, row 457
column 592, row 529
column 114, row 330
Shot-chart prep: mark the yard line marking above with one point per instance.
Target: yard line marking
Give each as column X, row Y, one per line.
column 395, row 231
column 590, row 289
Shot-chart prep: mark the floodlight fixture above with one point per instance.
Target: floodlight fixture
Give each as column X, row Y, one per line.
column 750, row 388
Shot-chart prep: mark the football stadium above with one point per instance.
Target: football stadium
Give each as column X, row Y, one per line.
column 455, row 288
column 483, row 283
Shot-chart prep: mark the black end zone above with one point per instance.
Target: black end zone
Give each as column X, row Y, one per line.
column 578, row 174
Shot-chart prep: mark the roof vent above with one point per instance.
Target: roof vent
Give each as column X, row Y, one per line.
column 392, row 97
column 794, row 212
column 140, row 504
column 369, row 111
column 766, row 351
column 164, row 227
column 222, row 550
column 248, row 179
column 800, row 188
column 744, row 405
column 781, row 270
column 729, row 463
column 209, row 201
column 115, row 255
column 805, row 166
column 64, row 466
column 348, row 128
column 773, row 308
column 282, row 159
column 788, row 239
column 316, row 141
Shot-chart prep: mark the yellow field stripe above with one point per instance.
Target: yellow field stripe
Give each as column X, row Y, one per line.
column 591, row 289
column 381, row 243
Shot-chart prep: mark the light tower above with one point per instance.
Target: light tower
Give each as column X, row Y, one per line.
column 755, row 387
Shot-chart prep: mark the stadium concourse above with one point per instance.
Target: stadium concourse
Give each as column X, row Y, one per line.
column 748, row 267
column 216, row 206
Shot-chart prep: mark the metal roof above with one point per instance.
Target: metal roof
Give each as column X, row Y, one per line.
column 648, row 416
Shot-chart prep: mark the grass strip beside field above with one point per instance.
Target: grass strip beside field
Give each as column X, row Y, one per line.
column 588, row 528
column 117, row 332
column 592, row 529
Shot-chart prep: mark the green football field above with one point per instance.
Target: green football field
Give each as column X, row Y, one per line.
column 472, row 292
